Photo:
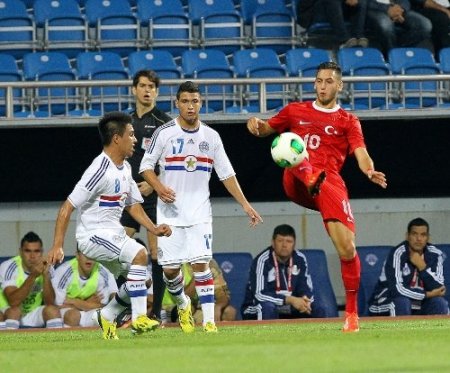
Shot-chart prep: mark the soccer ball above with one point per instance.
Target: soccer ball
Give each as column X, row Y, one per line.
column 288, row 150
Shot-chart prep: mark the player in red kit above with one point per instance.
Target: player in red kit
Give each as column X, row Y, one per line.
column 330, row 134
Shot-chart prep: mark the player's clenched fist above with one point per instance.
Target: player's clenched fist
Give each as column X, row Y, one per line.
column 162, row 230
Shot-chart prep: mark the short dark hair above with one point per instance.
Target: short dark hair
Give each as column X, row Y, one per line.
column 30, row 237
column 418, row 222
column 149, row 74
column 188, row 86
column 329, row 65
column 113, row 123
column 283, row 230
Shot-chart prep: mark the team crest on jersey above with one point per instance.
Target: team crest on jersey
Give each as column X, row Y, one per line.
column 204, row 146
column 330, row 130
column 116, row 186
column 190, row 163
column 295, row 270
column 160, row 253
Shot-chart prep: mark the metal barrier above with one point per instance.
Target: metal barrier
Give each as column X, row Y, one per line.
column 81, row 101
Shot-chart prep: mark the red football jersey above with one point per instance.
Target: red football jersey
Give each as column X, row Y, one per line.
column 329, row 134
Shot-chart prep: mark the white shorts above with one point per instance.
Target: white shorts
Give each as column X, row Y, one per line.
column 34, row 319
column 191, row 244
column 86, row 317
column 114, row 251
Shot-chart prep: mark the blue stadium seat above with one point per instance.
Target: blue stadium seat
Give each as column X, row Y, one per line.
column 304, row 62
column 272, row 24
column 236, row 269
column 63, row 25
column 9, row 72
column 261, row 63
column 163, row 63
column 444, row 60
column 104, row 66
column 444, row 64
column 322, row 288
column 445, row 248
column 160, row 61
column 116, row 28
column 17, row 29
column 167, row 25
column 365, row 62
column 221, row 25
column 415, row 61
column 51, row 66
column 210, row 64
column 372, row 260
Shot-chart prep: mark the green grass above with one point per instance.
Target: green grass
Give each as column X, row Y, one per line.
column 413, row 345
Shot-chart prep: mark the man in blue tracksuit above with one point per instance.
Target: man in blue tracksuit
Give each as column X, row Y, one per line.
column 412, row 280
column 279, row 285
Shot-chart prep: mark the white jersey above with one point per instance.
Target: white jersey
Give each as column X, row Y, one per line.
column 101, row 195
column 186, row 160
column 63, row 278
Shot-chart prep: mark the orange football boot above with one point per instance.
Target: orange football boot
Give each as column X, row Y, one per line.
column 351, row 324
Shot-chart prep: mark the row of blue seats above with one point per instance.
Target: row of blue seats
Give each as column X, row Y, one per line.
column 196, row 9
column 259, row 62
column 58, row 24
column 296, row 62
column 54, row 66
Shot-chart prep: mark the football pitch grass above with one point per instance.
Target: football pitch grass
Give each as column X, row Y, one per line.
column 382, row 345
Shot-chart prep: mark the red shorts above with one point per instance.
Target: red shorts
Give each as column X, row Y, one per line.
column 332, row 201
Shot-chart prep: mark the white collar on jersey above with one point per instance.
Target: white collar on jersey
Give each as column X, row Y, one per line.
column 319, row 108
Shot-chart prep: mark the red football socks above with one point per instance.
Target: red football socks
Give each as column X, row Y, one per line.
column 351, row 274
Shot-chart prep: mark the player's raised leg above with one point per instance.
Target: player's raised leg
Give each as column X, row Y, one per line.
column 311, row 178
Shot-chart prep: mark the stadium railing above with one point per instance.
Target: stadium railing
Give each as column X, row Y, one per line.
column 28, row 101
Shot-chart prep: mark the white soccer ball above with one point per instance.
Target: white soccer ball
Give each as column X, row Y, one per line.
column 288, row 150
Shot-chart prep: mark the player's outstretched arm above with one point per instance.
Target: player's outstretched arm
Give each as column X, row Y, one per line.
column 259, row 127
column 56, row 253
column 233, row 187
column 366, row 165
